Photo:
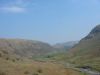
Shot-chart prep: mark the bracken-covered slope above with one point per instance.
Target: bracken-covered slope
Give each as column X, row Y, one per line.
column 87, row 52
column 24, row 48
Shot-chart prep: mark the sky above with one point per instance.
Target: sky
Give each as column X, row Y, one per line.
column 52, row 21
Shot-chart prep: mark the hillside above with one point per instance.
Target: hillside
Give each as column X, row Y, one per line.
column 12, row 64
column 87, row 51
column 65, row 46
column 13, row 53
column 25, row 48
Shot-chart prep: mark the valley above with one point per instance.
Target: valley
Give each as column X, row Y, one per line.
column 30, row 57
column 49, row 37
column 15, row 62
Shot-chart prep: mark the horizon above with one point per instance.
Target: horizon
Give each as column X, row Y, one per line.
column 54, row 21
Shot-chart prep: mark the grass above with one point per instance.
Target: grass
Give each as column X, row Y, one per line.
column 30, row 67
column 86, row 53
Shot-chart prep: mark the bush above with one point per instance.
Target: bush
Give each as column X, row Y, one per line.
column 5, row 52
column 0, row 55
column 35, row 74
column 2, row 73
column 26, row 72
column 13, row 60
column 7, row 58
column 39, row 71
column 17, row 59
column 48, row 56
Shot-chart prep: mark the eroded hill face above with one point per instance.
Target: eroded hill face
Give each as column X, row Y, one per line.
column 25, row 48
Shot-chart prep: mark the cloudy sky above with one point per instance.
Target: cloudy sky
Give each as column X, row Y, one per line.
column 48, row 20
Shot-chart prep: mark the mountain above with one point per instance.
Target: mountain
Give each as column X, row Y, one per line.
column 65, row 46
column 87, row 51
column 94, row 33
column 24, row 48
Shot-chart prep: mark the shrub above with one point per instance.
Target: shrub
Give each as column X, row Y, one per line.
column 17, row 59
column 0, row 55
column 13, row 60
column 48, row 56
column 7, row 58
column 39, row 71
column 5, row 52
column 35, row 74
column 2, row 73
column 26, row 72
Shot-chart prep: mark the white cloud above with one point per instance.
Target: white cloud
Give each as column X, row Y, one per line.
column 15, row 6
column 13, row 9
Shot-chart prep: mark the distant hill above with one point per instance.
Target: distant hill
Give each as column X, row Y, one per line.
column 65, row 46
column 25, row 48
column 87, row 51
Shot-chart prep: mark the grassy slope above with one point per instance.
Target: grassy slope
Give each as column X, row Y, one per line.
column 86, row 53
column 12, row 65
column 33, row 68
